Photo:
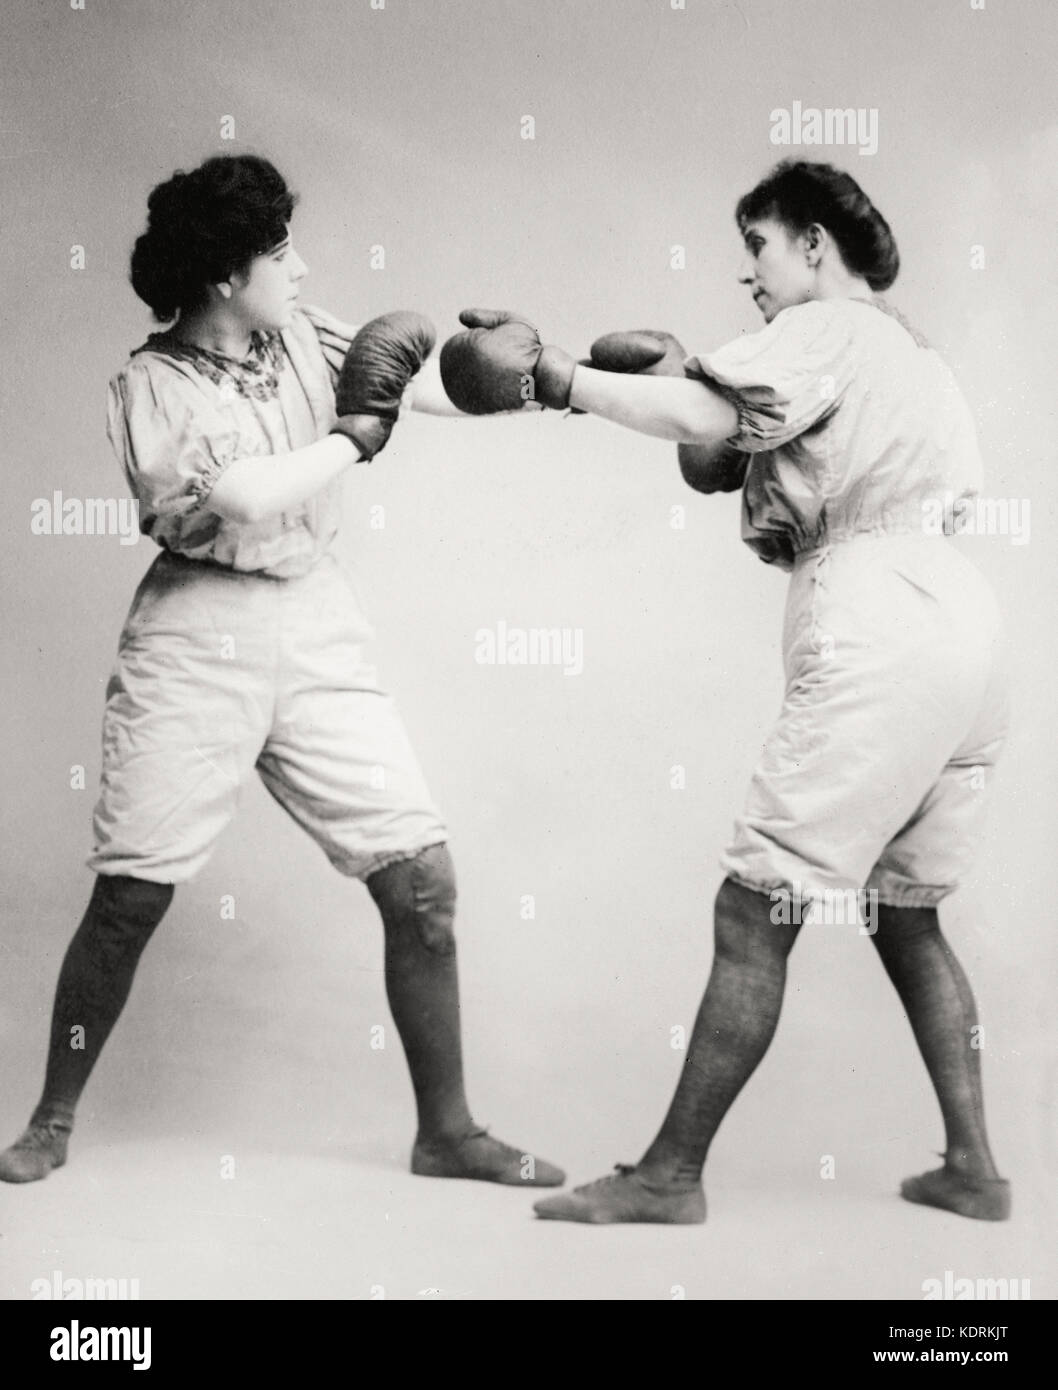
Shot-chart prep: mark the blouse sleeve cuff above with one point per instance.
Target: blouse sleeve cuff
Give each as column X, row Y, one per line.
column 755, row 421
column 202, row 485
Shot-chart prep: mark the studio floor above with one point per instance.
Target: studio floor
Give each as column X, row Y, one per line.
column 242, row 1137
column 339, row 1222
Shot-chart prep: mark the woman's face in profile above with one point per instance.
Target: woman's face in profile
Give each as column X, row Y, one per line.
column 774, row 267
column 267, row 293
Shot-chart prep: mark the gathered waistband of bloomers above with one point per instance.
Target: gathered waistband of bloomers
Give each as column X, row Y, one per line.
column 175, row 562
column 910, row 539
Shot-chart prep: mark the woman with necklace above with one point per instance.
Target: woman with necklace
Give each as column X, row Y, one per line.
column 243, row 648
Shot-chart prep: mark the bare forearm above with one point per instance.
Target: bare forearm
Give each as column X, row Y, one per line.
column 676, row 408
column 251, row 489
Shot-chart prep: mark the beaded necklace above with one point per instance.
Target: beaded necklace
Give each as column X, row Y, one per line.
column 256, row 375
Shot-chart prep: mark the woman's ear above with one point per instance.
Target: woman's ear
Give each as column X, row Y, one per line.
column 224, row 288
column 814, row 241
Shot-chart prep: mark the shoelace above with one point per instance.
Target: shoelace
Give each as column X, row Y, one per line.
column 39, row 1137
column 481, row 1133
column 964, row 1178
column 621, row 1170
column 484, row 1134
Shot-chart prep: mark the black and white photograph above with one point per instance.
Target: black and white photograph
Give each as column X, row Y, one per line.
column 529, row 663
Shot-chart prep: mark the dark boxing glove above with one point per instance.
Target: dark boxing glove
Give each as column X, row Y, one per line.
column 651, row 352
column 646, row 352
column 382, row 359
column 500, row 364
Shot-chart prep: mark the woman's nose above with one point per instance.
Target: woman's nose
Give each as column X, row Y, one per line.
column 745, row 271
column 300, row 269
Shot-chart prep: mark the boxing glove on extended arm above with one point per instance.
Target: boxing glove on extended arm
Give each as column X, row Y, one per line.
column 500, row 364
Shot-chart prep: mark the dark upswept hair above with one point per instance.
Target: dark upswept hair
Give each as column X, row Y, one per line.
column 204, row 226
column 799, row 192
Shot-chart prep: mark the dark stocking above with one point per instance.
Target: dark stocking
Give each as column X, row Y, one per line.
column 417, row 899
column 735, row 1024
column 94, row 983
column 939, row 1004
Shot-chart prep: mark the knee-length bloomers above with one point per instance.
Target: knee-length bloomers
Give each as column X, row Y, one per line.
column 244, row 645
column 895, row 704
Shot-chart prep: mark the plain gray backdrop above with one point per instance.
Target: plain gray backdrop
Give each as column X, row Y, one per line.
column 402, row 127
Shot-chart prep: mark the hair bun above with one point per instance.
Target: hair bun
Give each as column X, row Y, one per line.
column 205, row 225
column 800, row 192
